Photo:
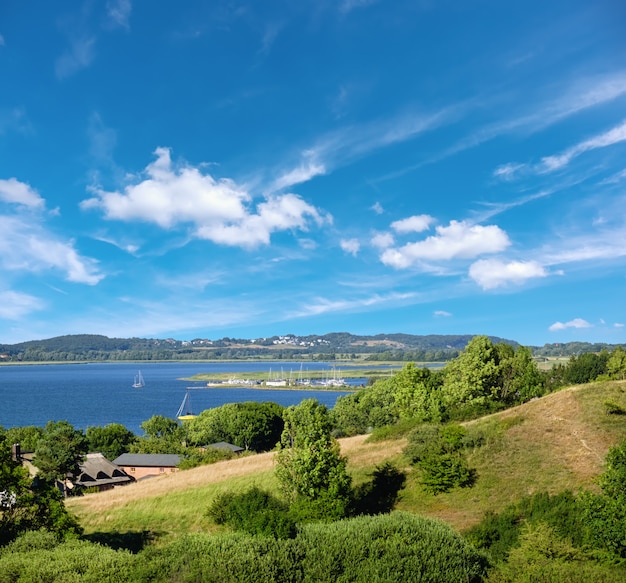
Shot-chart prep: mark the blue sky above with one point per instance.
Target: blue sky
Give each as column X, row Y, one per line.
column 245, row 169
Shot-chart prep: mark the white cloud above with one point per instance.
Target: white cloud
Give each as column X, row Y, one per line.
column 79, row 56
column 609, row 138
column 220, row 210
column 323, row 305
column 575, row 323
column 509, row 171
column 26, row 246
column 493, row 273
column 414, row 224
column 351, row 246
column 618, row 325
column 14, row 305
column 382, row 240
column 459, row 240
column 378, row 208
column 16, row 192
column 442, row 314
column 307, row 170
column 118, row 12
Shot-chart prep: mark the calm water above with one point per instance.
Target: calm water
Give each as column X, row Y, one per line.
column 101, row 393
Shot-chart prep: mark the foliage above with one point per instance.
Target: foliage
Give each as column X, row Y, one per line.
column 112, row 440
column 585, row 368
column 27, row 436
column 27, row 505
column 498, row 533
column 161, row 427
column 194, row 457
column 605, row 514
column 308, row 463
column 255, row 511
column 616, row 364
column 162, row 435
column 59, row 451
column 545, row 557
column 251, row 425
column 437, row 451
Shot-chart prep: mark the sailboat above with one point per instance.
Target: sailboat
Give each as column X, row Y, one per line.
column 139, row 382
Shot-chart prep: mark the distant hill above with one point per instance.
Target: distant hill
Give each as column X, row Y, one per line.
column 343, row 345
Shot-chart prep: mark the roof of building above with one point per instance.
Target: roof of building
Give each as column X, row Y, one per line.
column 226, row 445
column 151, row 460
column 96, row 470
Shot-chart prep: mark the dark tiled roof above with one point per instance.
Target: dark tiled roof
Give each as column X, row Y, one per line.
column 150, row 460
column 225, row 445
column 96, row 470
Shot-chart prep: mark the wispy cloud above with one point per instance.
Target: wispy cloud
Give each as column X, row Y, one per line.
column 558, row 161
column 220, row 211
column 442, row 314
column 15, row 305
column 575, row 323
column 26, row 246
column 352, row 142
column 350, row 5
column 324, row 306
column 79, row 55
column 118, row 13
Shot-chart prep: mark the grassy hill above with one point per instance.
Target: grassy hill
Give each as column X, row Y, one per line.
column 551, row 444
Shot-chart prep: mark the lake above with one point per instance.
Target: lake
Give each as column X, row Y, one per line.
column 101, row 393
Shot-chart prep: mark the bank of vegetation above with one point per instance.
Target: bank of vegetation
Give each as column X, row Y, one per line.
column 488, row 469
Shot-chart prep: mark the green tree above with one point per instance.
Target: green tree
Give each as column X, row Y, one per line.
column 60, row 451
column 616, row 364
column 26, row 504
column 112, row 440
column 309, row 465
column 251, row 425
column 161, row 427
column 27, row 436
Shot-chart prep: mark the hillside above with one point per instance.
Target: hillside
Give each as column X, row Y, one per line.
column 551, row 444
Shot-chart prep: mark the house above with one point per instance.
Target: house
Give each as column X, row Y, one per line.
column 143, row 465
column 98, row 472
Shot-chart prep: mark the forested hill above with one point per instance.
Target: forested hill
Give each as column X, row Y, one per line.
column 407, row 347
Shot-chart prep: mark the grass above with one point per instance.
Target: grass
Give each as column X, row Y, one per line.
column 551, row 444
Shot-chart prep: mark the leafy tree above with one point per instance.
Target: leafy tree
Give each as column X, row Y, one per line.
column 161, row 427
column 60, row 451
column 112, row 440
column 308, row 464
column 586, row 367
column 27, row 505
column 436, row 450
column 27, row 436
column 251, row 425
column 606, row 513
column 519, row 378
column 472, row 378
column 616, row 364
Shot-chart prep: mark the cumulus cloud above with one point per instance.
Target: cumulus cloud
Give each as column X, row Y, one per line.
column 575, row 323
column 27, row 246
column 220, row 210
column 459, row 240
column 351, row 246
column 493, row 273
column 14, row 305
column 378, row 208
column 16, row 192
column 414, row 224
column 382, row 240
